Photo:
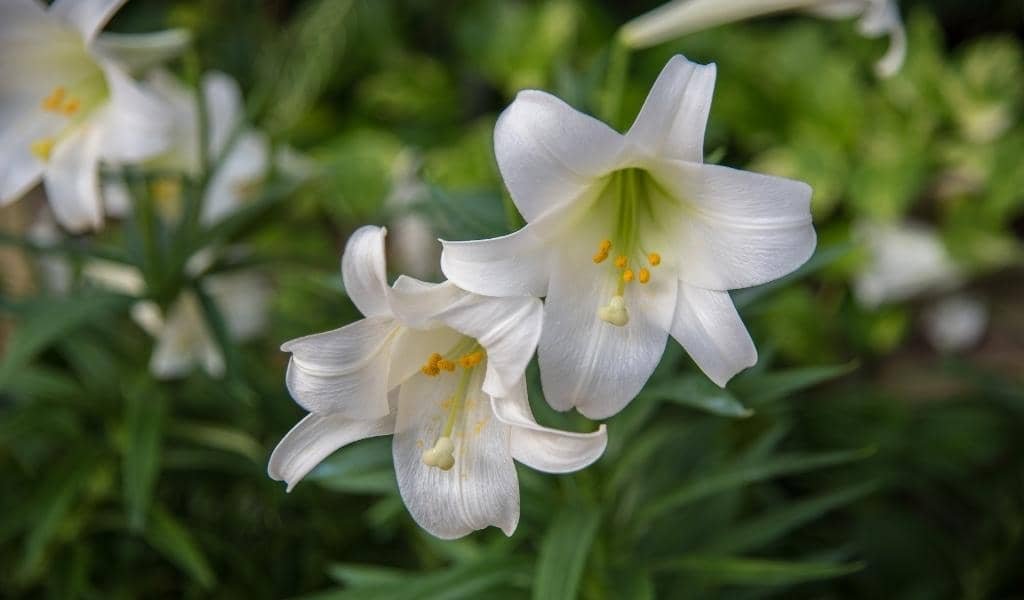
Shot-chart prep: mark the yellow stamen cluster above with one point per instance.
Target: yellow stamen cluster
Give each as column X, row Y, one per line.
column 437, row 363
column 615, row 312
column 654, row 258
column 468, row 361
column 602, row 251
column 59, row 101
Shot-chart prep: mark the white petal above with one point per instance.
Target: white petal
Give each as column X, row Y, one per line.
column 87, row 16
column 956, row 323
column 137, row 124
column 242, row 170
column 141, row 51
column 185, row 341
column 244, row 301
column 707, row 325
column 517, row 264
column 672, row 121
column 417, row 303
column 588, row 363
column 315, row 438
column 72, row 180
column 906, row 260
column 549, row 153
column 481, row 489
column 412, row 348
column 343, row 371
column 20, row 171
column 364, row 271
column 736, row 228
column 224, row 107
column 115, row 276
column 543, row 448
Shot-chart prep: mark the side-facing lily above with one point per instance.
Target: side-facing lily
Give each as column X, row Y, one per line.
column 679, row 17
column 632, row 238
column 67, row 103
column 441, row 369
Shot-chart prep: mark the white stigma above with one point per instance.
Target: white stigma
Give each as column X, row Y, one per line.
column 615, row 313
column 440, row 455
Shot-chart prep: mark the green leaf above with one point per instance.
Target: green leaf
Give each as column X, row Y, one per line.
column 745, row 474
column 50, row 319
column 564, row 551
column 363, row 468
column 763, row 388
column 696, row 391
column 171, row 539
column 756, row 572
column 766, row 528
column 218, row 437
column 144, row 416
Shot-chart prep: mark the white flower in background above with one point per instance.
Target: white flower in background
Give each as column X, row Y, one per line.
column 67, row 103
column 442, row 370
column 241, row 153
column 632, row 238
column 956, row 323
column 905, row 260
column 674, row 19
column 183, row 337
column 414, row 247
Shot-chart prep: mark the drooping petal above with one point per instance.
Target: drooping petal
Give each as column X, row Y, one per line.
column 141, row 51
column 672, row 121
column 87, row 16
column 737, row 229
column 417, row 303
column 185, row 341
column 343, row 371
column 588, row 363
column 543, row 448
column 707, row 325
column 20, row 170
column 549, row 153
column 517, row 264
column 364, row 271
column 481, row 489
column 244, row 301
column 137, row 124
column 225, row 109
column 239, row 177
column 72, row 180
column 315, row 438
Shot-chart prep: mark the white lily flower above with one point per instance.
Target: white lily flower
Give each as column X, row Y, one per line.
column 441, row 369
column 66, row 104
column 243, row 152
column 905, row 260
column 632, row 238
column 677, row 18
column 956, row 323
column 183, row 338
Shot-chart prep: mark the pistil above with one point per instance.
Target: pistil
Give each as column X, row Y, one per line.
column 441, row 455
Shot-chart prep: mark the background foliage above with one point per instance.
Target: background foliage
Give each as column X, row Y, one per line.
column 853, row 461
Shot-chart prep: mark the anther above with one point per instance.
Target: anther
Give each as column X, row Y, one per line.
column 644, row 276
column 600, row 256
column 53, row 102
column 627, row 275
column 441, row 455
column 446, row 365
column 654, row 258
column 42, row 148
column 605, row 246
column 621, row 261
column 471, row 360
column 71, row 107
column 430, row 370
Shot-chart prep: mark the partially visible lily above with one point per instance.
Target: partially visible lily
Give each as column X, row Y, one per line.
column 441, row 369
column 904, row 260
column 677, row 18
column 67, row 103
column 632, row 238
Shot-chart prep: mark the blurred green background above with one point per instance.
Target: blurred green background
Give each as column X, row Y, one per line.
column 858, row 459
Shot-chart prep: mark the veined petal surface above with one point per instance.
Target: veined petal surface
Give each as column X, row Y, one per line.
column 364, row 271
column 707, row 325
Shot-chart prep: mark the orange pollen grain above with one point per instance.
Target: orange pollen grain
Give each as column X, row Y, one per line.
column 644, row 276
column 654, row 258
column 627, row 275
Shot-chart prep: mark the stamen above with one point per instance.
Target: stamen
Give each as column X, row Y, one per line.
column 468, row 361
column 644, row 276
column 71, row 107
column 446, row 365
column 42, row 148
column 53, row 102
column 442, row 454
column 627, row 275
column 621, row 261
column 600, row 256
column 605, row 246
column 654, row 258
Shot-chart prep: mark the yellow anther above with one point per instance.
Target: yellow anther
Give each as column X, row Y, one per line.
column 42, row 148
column 472, row 359
column 627, row 275
column 621, row 261
column 53, row 102
column 600, row 256
column 446, row 365
column 605, row 246
column 644, row 276
column 434, row 358
column 654, row 258
column 71, row 107
column 430, row 370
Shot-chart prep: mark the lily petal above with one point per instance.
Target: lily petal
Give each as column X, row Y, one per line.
column 592, row 365
column 364, row 271
column 244, row 300
column 223, row 99
column 672, row 120
column 184, row 341
column 20, row 171
column 707, row 325
column 738, row 229
column 343, row 371
column 315, row 438
column 481, row 489
column 87, row 16
column 411, row 349
column 137, row 124
column 245, row 165
column 141, row 51
column 542, row 448
column 72, row 180
column 548, row 152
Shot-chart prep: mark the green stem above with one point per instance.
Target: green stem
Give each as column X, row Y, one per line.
column 615, row 82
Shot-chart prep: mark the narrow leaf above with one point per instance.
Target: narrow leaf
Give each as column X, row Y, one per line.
column 171, row 539
column 564, row 551
column 144, row 417
column 696, row 391
column 757, row 572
